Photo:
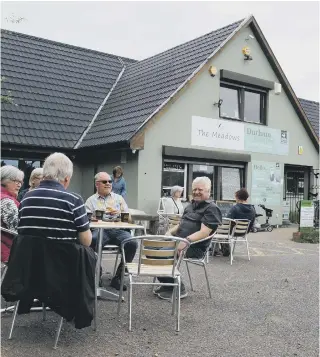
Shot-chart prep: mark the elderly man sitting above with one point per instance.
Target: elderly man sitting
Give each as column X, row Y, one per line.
column 199, row 220
column 113, row 204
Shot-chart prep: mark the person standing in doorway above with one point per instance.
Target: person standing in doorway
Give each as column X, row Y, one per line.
column 119, row 185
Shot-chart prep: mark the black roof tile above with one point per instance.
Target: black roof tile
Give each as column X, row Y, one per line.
column 145, row 85
column 57, row 89
column 311, row 110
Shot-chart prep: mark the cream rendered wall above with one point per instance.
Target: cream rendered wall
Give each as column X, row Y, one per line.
column 173, row 126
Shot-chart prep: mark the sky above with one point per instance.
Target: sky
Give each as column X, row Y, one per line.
column 141, row 29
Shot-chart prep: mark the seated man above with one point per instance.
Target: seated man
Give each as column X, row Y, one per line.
column 113, row 204
column 199, row 220
column 50, row 211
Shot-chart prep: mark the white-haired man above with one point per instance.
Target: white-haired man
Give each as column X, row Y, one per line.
column 199, row 220
column 113, row 204
column 50, row 211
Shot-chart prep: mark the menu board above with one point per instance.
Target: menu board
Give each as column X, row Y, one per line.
column 225, row 207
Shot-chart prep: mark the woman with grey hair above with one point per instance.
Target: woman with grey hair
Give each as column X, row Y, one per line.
column 34, row 181
column 173, row 204
column 11, row 181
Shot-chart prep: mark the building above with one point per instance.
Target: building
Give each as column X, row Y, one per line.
column 219, row 105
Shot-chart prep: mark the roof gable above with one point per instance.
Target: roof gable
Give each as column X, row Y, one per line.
column 147, row 84
column 57, row 89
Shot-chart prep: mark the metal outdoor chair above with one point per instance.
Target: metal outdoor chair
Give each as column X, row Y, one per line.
column 158, row 257
column 201, row 262
column 231, row 231
column 166, row 220
column 60, row 322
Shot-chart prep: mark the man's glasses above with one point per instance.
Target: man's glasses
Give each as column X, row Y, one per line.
column 105, row 181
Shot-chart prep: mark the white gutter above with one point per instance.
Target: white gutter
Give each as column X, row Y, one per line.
column 248, row 19
column 101, row 106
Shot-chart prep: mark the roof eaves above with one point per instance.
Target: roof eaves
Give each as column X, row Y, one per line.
column 193, row 74
column 101, row 106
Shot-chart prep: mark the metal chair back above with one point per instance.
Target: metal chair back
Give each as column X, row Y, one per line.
column 241, row 228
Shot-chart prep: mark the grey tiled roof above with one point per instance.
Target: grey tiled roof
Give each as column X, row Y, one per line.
column 57, row 89
column 311, row 110
column 145, row 85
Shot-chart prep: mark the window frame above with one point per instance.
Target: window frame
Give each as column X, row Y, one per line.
column 241, row 89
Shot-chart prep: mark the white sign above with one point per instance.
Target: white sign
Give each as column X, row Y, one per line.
column 222, row 134
column 306, row 214
column 233, row 135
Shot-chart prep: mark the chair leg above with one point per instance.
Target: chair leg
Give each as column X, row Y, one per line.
column 3, row 274
column 208, row 284
column 153, row 286
column 121, row 289
column 44, row 312
column 58, row 333
column 174, row 298
column 130, row 301
column 177, row 297
column 248, row 249
column 95, row 310
column 234, row 245
column 189, row 276
column 231, row 251
column 13, row 319
column 115, row 265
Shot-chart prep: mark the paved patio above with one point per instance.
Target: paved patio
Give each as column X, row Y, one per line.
column 265, row 307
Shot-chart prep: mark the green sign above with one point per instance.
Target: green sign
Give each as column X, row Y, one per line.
column 306, row 213
column 266, row 183
column 258, row 138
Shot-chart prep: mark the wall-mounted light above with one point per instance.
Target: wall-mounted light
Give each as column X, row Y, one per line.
column 219, row 103
column 212, row 71
column 246, row 52
column 249, row 37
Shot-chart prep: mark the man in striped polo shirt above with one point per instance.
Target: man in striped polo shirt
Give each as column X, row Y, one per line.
column 50, row 211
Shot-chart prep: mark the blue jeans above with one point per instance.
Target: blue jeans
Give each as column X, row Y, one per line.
column 116, row 237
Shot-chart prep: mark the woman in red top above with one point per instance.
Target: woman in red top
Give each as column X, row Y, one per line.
column 11, row 181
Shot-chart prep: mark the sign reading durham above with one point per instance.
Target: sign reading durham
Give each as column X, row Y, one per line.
column 227, row 134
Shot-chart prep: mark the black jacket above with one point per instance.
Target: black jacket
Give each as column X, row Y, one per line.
column 242, row 211
column 59, row 273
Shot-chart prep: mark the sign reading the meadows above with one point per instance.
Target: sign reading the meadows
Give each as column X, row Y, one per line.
column 227, row 134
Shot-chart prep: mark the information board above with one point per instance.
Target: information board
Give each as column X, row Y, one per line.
column 306, row 214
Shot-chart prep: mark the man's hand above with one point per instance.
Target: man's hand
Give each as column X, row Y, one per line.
column 181, row 246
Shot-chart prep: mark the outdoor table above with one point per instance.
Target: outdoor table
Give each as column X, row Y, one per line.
column 101, row 225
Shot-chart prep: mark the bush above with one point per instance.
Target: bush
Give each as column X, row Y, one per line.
column 306, row 235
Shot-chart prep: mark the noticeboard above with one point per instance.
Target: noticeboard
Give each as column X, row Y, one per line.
column 306, row 214
column 225, row 207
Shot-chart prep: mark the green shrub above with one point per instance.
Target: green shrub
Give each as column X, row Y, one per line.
column 307, row 235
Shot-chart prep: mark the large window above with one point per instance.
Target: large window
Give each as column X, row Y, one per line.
column 242, row 103
column 174, row 174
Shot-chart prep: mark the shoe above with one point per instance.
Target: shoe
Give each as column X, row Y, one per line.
column 161, row 289
column 167, row 294
column 116, row 283
column 225, row 249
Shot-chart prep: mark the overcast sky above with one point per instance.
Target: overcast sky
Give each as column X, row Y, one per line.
column 141, row 29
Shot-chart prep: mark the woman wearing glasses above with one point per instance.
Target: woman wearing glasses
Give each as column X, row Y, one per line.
column 11, row 181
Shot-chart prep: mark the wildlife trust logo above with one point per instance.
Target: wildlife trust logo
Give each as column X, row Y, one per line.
column 284, row 137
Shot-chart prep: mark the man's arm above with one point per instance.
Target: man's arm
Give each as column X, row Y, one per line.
column 85, row 238
column 203, row 233
column 89, row 205
column 172, row 231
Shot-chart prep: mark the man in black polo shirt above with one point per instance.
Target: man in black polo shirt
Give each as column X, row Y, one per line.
column 50, row 211
column 199, row 220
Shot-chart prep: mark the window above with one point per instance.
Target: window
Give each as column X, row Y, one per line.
column 174, row 174
column 243, row 103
